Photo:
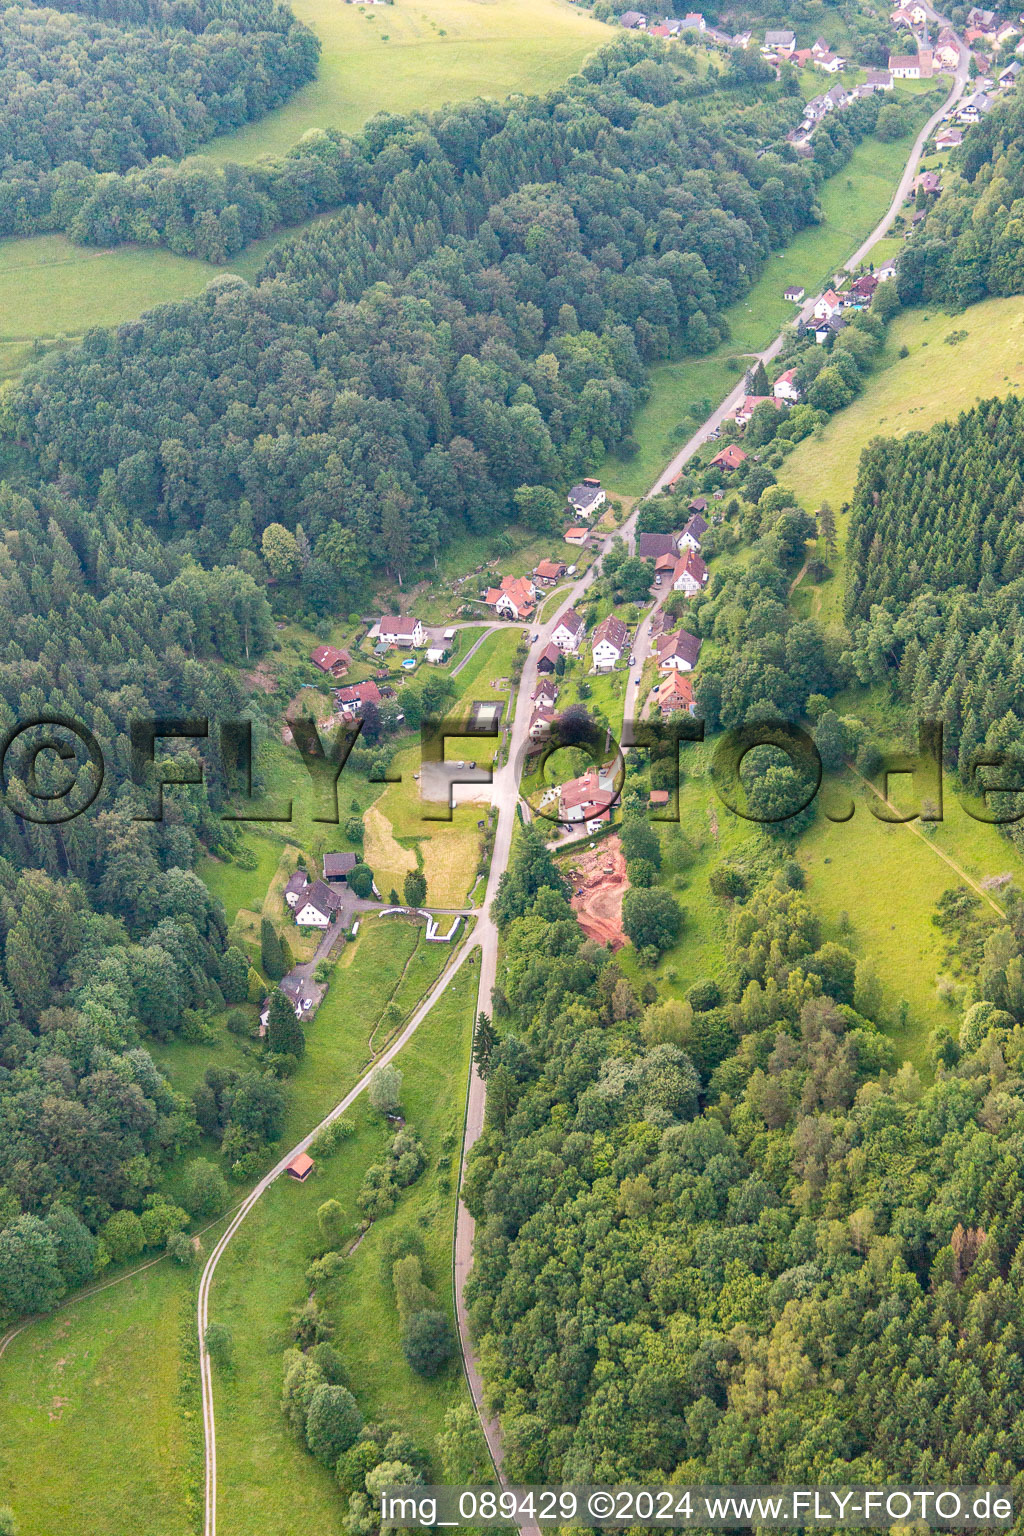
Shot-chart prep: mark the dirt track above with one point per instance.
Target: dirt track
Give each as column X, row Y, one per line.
column 601, row 876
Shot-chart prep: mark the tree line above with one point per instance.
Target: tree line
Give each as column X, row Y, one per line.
column 86, row 91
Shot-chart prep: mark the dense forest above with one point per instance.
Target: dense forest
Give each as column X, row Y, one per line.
column 478, row 322
column 107, row 937
column 970, row 245
column 936, row 588
column 89, row 89
column 723, row 1239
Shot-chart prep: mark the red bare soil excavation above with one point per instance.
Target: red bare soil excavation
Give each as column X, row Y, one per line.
column 599, row 883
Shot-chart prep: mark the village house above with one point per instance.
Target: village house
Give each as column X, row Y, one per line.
column 691, row 574
column 576, row 535
column 677, row 652
column 831, row 63
column 929, row 183
column 540, row 722
column 330, row 660
column 794, row 294
column 1005, row 31
column 862, row 289
column 985, row 21
column 545, row 694
column 300, row 1167
column 879, row 79
column 946, row 55
column 696, row 528
column 675, row 693
column 820, row 48
column 297, row 883
column 586, row 497
column 949, row 138
column 651, row 546
column 837, row 98
column 974, row 108
column 514, row 599
column 316, row 905
column 829, row 304
column 548, row 659
column 549, row 571
column 437, row 655
column 1008, row 77
column 730, row 457
column 609, row 640
column 749, row 404
column 666, row 563
column 886, row 271
column 780, row 43
column 401, row 629
column 568, row 632
column 589, row 798
column 635, row 20
column 786, row 387
column 353, row 699
column 338, row 867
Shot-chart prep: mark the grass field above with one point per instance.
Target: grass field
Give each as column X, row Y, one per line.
column 267, row 1481
column 887, row 880
column 852, row 202
column 52, row 288
column 416, row 55
column 910, row 394
column 92, row 1433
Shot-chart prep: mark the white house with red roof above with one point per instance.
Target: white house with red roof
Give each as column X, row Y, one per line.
column 353, row 699
column 589, row 798
column 786, row 387
column 828, row 305
column 609, row 640
column 569, row 631
column 677, row 652
column 691, row 574
column 401, row 629
column 514, row 599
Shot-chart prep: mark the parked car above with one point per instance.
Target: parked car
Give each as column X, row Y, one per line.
column 632, row 661
column 657, row 581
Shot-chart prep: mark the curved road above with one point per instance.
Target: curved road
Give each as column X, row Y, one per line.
column 879, row 232
column 505, row 799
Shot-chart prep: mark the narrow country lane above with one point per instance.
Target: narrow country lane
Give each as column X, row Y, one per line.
column 505, row 796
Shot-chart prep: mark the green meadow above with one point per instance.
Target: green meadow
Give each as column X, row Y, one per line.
column 852, row 202
column 416, row 55
column 268, row 1482
column 93, row 1429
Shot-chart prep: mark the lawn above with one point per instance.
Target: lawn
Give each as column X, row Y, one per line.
column 92, row 1425
column 875, row 887
column 417, row 55
column 852, row 202
column 267, row 1481
column 52, row 288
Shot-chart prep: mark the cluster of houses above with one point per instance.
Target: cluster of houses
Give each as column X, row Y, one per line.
column 781, row 48
column 676, row 556
column 517, row 596
column 693, row 26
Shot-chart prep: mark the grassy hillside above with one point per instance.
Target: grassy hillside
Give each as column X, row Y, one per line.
column 92, row 1432
column 851, row 205
column 419, row 54
column 934, row 382
column 267, row 1480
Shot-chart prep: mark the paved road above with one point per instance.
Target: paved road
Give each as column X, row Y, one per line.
column 505, row 799
column 879, row 232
